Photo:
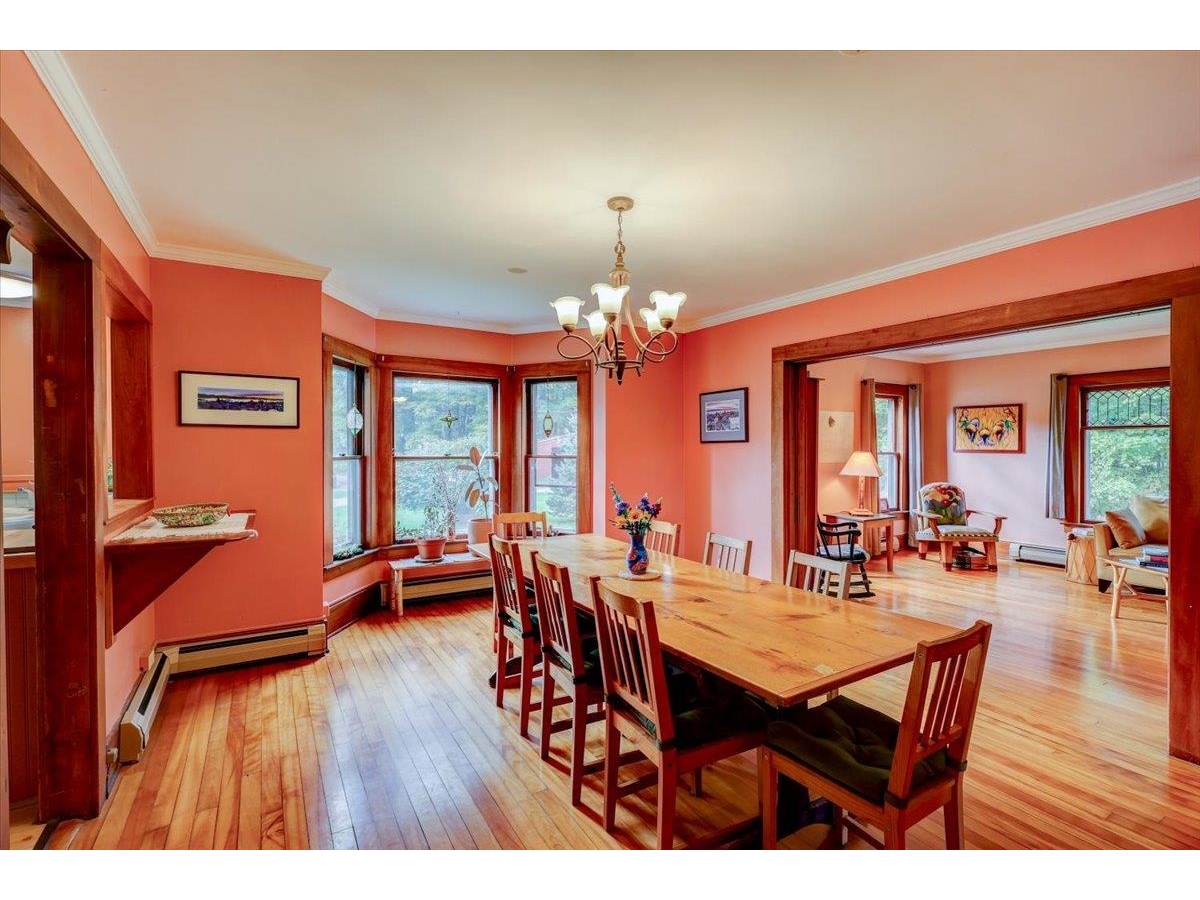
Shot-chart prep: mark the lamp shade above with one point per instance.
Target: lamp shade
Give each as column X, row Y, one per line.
column 610, row 297
column 567, row 309
column 861, row 462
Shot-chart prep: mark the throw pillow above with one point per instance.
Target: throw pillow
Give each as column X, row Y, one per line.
column 1154, row 514
column 1127, row 530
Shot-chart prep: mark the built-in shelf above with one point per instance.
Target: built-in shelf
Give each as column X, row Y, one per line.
column 145, row 559
column 123, row 513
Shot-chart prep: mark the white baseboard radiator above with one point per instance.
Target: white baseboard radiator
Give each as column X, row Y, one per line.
column 217, row 653
column 1051, row 556
column 134, row 733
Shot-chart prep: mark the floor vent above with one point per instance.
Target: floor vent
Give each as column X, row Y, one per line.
column 1050, row 556
column 303, row 640
column 136, row 723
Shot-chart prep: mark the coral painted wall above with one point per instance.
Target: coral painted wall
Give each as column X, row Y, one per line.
column 29, row 110
column 840, row 387
column 213, row 319
column 16, row 392
column 729, row 486
column 1014, row 484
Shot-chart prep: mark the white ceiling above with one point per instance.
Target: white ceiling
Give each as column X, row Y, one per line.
column 1093, row 331
column 420, row 177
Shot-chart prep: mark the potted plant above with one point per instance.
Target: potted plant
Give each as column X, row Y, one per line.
column 438, row 524
column 480, row 494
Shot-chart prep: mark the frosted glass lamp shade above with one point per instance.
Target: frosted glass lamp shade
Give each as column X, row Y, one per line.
column 861, row 462
column 667, row 306
column 650, row 317
column 596, row 323
column 610, row 298
column 567, row 309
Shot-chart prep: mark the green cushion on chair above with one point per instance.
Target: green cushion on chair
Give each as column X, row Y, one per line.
column 707, row 723
column 848, row 743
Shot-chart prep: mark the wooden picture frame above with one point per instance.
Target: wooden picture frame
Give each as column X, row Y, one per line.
column 995, row 428
column 724, row 416
column 227, row 399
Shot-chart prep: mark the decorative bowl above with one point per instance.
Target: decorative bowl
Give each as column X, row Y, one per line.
column 190, row 515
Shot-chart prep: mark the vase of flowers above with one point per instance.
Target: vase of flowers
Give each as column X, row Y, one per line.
column 635, row 518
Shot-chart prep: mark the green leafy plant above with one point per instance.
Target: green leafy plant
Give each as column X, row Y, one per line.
column 481, row 487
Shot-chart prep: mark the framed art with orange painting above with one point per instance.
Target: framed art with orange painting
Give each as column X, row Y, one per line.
column 989, row 429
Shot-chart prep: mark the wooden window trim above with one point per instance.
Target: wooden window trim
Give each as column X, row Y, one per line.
column 899, row 393
column 332, row 348
column 1077, row 385
column 581, row 371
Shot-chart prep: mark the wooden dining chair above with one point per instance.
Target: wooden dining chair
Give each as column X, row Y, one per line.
column 516, row 629
column 730, row 554
column 516, row 525
column 678, row 734
column 877, row 771
column 839, row 541
column 570, row 662
column 818, row 574
column 663, row 537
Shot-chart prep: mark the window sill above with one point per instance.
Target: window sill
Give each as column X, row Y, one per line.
column 341, row 567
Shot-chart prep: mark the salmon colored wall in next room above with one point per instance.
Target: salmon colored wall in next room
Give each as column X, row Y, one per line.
column 1014, row 484
column 212, row 319
column 16, row 392
column 729, row 485
column 28, row 109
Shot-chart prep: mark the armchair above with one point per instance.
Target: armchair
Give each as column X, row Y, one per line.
column 945, row 517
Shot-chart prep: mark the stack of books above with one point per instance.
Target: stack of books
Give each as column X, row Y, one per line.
column 1153, row 558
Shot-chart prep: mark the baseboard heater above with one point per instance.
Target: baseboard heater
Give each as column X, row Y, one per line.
column 217, row 653
column 447, row 587
column 134, row 733
column 1050, row 556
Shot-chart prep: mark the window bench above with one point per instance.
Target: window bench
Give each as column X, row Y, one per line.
column 458, row 573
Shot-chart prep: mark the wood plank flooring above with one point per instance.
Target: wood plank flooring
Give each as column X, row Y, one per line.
column 393, row 741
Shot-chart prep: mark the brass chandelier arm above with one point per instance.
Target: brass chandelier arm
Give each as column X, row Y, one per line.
column 591, row 347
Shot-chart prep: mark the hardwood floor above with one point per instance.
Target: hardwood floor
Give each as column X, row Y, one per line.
column 393, row 740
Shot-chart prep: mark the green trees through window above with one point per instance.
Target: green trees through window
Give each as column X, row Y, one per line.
column 1126, row 432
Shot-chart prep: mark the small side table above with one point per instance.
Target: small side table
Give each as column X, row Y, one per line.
column 1081, row 556
column 883, row 520
column 1121, row 572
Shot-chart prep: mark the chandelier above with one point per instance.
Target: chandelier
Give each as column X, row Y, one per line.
column 608, row 345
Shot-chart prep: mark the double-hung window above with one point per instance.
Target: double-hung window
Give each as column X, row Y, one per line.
column 349, row 458
column 552, row 482
column 891, row 443
column 1123, row 446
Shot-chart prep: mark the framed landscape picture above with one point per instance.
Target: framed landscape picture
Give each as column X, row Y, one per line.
column 989, row 429
column 254, row 401
column 723, row 416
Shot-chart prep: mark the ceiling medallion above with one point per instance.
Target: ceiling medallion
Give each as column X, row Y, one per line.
column 608, row 345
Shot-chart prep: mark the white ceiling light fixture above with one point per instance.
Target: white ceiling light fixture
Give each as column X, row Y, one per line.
column 608, row 346
column 15, row 287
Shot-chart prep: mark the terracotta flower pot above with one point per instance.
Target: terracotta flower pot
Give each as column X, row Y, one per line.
column 478, row 530
column 431, row 548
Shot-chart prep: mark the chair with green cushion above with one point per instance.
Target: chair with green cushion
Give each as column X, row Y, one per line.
column 881, row 772
column 945, row 518
column 678, row 734
column 516, row 628
column 571, row 662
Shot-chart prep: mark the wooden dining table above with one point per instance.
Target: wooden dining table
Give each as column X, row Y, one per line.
column 782, row 644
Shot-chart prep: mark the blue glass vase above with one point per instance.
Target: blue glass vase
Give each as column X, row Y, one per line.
column 637, row 560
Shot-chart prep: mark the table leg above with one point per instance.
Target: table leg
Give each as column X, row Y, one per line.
column 887, row 536
column 1118, row 584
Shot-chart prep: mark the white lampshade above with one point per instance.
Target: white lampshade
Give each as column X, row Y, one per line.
column 567, row 309
column 861, row 462
column 610, row 297
column 596, row 323
column 650, row 317
column 667, row 305
column 15, row 288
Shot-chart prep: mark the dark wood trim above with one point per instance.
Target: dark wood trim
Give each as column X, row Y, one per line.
column 1178, row 290
column 1072, row 443
column 131, row 409
column 44, row 220
column 340, row 567
column 1147, row 292
column 347, row 351
column 124, row 299
column 419, row 365
column 899, row 392
column 124, row 513
column 1184, row 611
column 581, row 371
column 349, row 608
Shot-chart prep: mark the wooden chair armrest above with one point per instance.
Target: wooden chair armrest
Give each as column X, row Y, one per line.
column 998, row 521
column 932, row 521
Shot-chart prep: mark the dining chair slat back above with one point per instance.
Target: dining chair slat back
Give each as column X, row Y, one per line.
column 730, row 554
column 663, row 537
column 517, row 525
column 818, row 574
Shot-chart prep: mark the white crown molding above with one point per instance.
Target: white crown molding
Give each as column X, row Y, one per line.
column 387, row 315
column 56, row 76
column 241, row 261
column 1159, row 198
column 348, row 296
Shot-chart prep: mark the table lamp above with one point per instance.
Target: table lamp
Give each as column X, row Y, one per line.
column 861, row 463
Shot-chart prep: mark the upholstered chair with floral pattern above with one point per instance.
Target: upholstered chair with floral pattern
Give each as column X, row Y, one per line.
column 946, row 519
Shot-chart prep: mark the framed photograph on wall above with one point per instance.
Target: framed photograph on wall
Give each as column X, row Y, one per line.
column 249, row 401
column 723, row 416
column 989, row 429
